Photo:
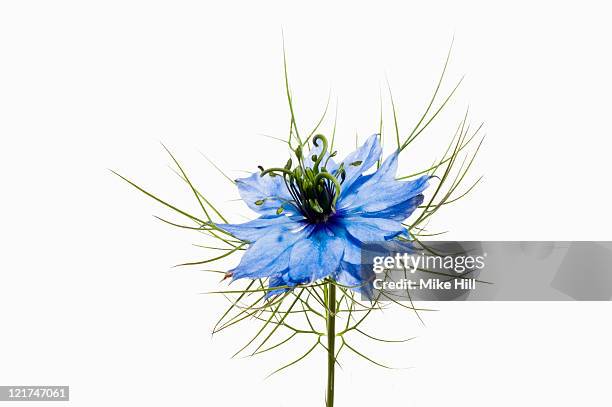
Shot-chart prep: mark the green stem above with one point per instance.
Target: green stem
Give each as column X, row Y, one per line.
column 331, row 342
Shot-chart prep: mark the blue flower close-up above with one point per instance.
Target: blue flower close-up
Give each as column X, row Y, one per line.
column 314, row 219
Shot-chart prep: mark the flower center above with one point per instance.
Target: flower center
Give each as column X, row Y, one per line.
column 314, row 190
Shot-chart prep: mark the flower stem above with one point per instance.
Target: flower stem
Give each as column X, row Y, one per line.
column 331, row 342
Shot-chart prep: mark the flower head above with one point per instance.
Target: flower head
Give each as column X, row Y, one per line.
column 315, row 217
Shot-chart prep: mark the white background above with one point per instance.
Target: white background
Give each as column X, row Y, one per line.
column 88, row 297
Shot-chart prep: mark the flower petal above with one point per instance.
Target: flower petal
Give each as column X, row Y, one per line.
column 270, row 255
column 352, row 247
column 386, row 173
column 376, row 197
column 256, row 229
column 353, row 276
column 276, row 281
column 367, row 229
column 314, row 258
column 397, row 212
column 270, row 191
column 361, row 160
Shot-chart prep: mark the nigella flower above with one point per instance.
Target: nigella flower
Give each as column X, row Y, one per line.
column 315, row 217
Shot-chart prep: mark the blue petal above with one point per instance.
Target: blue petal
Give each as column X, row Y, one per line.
column 376, row 197
column 381, row 192
column 352, row 247
column 276, row 281
column 356, row 278
column 314, row 258
column 387, row 170
column 366, row 229
column 269, row 255
column 363, row 158
column 386, row 173
column 271, row 190
column 256, row 229
column 397, row 212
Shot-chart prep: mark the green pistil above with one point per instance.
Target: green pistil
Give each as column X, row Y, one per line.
column 314, row 191
column 317, row 160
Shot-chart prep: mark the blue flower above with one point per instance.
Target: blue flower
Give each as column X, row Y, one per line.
column 315, row 217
